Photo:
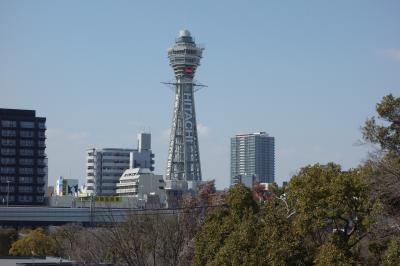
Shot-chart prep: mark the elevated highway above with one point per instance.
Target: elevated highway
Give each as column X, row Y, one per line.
column 33, row 216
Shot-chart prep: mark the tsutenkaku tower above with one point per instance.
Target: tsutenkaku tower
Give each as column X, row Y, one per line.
column 183, row 155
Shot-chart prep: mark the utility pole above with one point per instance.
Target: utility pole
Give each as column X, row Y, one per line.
column 92, row 209
column 8, row 190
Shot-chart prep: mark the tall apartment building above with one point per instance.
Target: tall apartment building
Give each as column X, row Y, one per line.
column 105, row 166
column 23, row 162
column 252, row 158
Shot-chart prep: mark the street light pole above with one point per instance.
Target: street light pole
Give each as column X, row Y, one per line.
column 8, row 190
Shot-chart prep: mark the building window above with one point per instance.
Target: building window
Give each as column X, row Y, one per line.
column 5, row 179
column 8, row 133
column 41, row 162
column 25, row 179
column 25, row 161
column 10, row 198
column 42, row 125
column 8, row 142
column 25, row 189
column 25, row 198
column 7, row 170
column 26, row 143
column 7, row 123
column 41, row 144
column 41, row 153
column 25, row 152
column 7, row 161
column 27, row 134
column 27, row 124
column 41, row 134
column 41, row 171
column 26, row 170
column 39, row 198
column 6, row 188
column 7, row 151
column 40, row 189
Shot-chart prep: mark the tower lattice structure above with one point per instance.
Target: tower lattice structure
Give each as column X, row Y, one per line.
column 183, row 155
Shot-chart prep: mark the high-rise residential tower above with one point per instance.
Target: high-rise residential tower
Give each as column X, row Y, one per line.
column 252, row 158
column 23, row 162
column 183, row 155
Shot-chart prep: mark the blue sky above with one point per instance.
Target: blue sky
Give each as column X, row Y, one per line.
column 307, row 72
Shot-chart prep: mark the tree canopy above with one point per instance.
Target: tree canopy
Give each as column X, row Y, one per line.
column 386, row 135
column 323, row 211
column 36, row 242
column 7, row 237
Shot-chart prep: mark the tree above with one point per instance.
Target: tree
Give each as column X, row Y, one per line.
column 36, row 242
column 383, row 167
column 143, row 239
column 387, row 136
column 383, row 175
column 279, row 242
column 331, row 206
column 262, row 193
column 229, row 234
column 391, row 257
column 330, row 254
column 7, row 237
column 206, row 190
column 382, row 171
column 240, row 201
column 65, row 238
column 240, row 245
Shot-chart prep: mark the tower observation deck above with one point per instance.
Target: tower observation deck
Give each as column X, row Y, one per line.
column 183, row 155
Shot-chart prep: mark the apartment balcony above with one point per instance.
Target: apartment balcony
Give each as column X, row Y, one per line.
column 128, row 184
column 127, row 190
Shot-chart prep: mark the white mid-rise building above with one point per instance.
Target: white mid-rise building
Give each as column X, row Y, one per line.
column 142, row 184
column 104, row 167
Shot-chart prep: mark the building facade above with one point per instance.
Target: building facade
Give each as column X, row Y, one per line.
column 66, row 187
column 23, row 162
column 183, row 165
column 252, row 158
column 139, row 182
column 104, row 167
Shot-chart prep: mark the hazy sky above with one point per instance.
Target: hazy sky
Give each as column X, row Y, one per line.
column 307, row 72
